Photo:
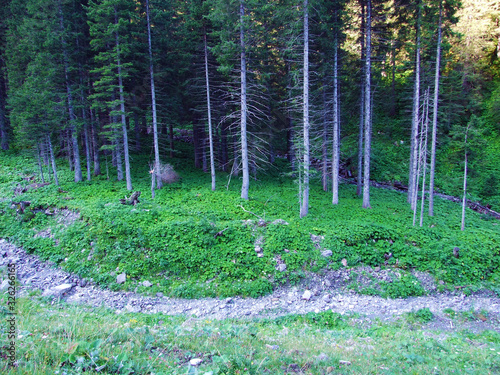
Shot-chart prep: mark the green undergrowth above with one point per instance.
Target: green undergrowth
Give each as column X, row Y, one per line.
column 69, row 339
column 192, row 242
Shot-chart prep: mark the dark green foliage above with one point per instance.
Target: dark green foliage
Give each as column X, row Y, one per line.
column 423, row 315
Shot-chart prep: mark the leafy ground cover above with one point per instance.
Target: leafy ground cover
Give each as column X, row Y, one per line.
column 191, row 242
column 69, row 339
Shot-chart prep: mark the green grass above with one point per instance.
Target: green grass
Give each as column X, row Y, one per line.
column 192, row 242
column 69, row 339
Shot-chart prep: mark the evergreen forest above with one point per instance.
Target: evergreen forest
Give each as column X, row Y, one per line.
column 278, row 158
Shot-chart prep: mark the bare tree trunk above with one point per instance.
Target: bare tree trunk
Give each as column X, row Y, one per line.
column 305, row 188
column 209, row 113
column 412, row 188
column 435, row 113
column 117, row 149
column 52, row 160
column 72, row 116
column 368, row 115
column 153, row 103
column 359, row 182
column 171, row 139
column 324, row 146
column 95, row 146
column 393, row 83
column 244, row 109
column 87, row 145
column 464, row 199
column 336, row 128
column 424, row 156
column 67, row 147
column 39, row 162
column 128, row 177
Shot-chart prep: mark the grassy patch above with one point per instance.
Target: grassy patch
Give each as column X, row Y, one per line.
column 60, row 338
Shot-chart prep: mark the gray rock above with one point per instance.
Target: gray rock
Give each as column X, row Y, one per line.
column 228, row 300
column 121, row 278
column 195, row 361
column 159, row 294
column 326, row 253
column 258, row 249
column 57, row 291
column 307, row 295
column 322, row 357
column 147, row 284
column 83, row 283
column 4, row 285
column 133, row 309
column 281, row 267
column 326, row 298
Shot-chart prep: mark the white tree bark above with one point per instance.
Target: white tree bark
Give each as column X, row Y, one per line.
column 359, row 182
column 95, row 146
column 209, row 110
column 305, row 186
column 153, row 102
column 435, row 114
column 244, row 109
column 424, row 156
column 336, row 129
column 464, row 199
column 52, row 160
column 367, row 115
column 128, row 177
column 39, row 162
column 412, row 188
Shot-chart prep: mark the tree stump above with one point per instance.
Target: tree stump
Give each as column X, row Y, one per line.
column 132, row 200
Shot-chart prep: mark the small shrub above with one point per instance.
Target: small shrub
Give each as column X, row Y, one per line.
column 421, row 316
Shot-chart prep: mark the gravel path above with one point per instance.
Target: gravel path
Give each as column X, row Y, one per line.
column 326, row 294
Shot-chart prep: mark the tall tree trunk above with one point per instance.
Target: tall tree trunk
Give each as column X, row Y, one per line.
column 368, row 109
column 52, row 160
column 244, row 109
column 39, row 162
column 412, row 188
column 87, row 144
column 324, row 146
column 359, row 182
column 393, row 80
column 153, row 103
column 72, row 116
column 95, row 145
column 305, row 188
column 209, row 113
column 67, row 147
column 128, row 177
column 424, row 156
column 435, row 113
column 464, row 199
column 336, row 127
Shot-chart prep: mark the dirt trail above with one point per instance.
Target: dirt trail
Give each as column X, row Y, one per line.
column 326, row 294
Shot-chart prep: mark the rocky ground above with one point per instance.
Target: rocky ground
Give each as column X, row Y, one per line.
column 316, row 293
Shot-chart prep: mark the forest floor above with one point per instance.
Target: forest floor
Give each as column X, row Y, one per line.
column 316, row 293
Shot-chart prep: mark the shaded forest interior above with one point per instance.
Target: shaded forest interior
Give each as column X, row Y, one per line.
column 399, row 92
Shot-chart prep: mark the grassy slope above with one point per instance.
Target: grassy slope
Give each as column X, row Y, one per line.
column 173, row 242
column 65, row 339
